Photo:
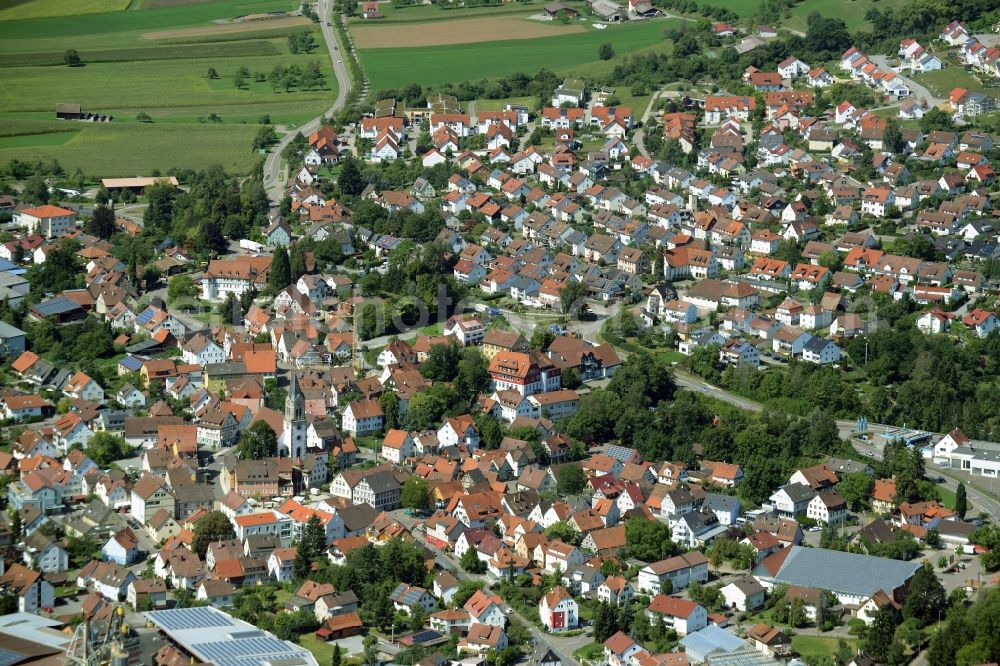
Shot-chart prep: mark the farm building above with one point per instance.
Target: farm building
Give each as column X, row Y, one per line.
column 66, row 111
column 554, row 9
column 137, row 185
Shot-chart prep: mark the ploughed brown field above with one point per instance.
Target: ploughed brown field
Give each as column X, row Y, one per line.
column 461, row 31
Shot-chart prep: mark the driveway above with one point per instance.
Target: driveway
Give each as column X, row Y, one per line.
column 918, row 90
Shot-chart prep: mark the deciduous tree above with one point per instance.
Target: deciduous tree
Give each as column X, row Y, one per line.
column 415, row 494
column 258, row 441
column 215, row 526
column 570, row 479
column 101, row 223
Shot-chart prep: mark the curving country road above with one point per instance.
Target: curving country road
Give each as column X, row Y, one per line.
column 273, row 183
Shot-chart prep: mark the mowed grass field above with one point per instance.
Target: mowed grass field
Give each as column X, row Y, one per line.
column 127, row 71
column 564, row 54
column 851, row 11
column 943, row 81
column 12, row 10
column 121, row 149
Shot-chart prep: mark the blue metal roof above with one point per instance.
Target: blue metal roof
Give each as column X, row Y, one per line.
column 8, row 267
column 55, row 306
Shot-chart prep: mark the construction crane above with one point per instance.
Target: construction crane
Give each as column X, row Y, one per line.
column 90, row 647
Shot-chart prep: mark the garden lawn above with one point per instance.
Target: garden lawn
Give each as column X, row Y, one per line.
column 566, row 54
column 814, row 647
column 590, row 652
column 322, row 650
column 948, row 498
column 499, row 104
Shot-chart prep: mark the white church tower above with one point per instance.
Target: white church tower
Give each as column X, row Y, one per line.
column 293, row 437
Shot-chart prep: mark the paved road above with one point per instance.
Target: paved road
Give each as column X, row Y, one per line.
column 918, row 90
column 273, row 182
column 639, row 137
column 563, row 646
column 190, row 323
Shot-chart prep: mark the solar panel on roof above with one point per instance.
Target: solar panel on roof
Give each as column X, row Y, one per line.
column 190, row 618
column 54, row 306
column 620, row 453
column 260, row 648
column 145, row 317
column 131, row 363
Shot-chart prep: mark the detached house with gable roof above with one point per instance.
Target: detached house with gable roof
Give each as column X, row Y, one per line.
column 362, row 417
column 558, row 611
column 81, row 386
column 150, row 494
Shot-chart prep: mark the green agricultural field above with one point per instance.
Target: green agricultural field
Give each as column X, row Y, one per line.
column 148, row 85
column 12, row 10
column 112, row 149
column 235, row 49
column 851, row 11
column 126, row 72
column 122, row 29
column 565, row 54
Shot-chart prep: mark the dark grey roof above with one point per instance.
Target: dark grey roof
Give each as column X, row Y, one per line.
column 842, row 466
column 230, row 368
column 382, row 482
column 717, row 502
column 358, row 517
column 55, row 306
column 699, row 521
column 816, row 344
column 7, row 331
column 839, row 572
column 798, row 492
column 748, row 585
